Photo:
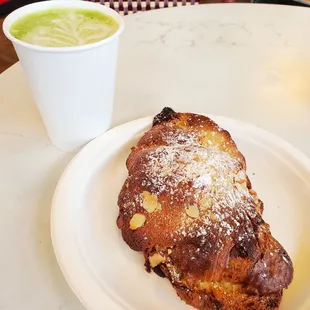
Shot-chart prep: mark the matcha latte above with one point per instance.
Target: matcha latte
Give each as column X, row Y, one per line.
column 64, row 27
column 68, row 51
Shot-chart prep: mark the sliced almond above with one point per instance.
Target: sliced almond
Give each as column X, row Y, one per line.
column 240, row 176
column 150, row 202
column 205, row 203
column 137, row 221
column 241, row 186
column 166, row 171
column 192, row 211
column 197, row 158
column 169, row 251
column 213, row 216
column 156, row 259
column 241, row 180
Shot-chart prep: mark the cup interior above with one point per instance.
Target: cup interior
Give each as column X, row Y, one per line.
column 50, row 4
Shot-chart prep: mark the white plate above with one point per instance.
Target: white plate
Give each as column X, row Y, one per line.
column 102, row 270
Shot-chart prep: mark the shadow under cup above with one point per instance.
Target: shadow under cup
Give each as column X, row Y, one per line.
column 73, row 86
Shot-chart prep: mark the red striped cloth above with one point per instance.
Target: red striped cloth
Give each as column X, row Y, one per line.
column 126, row 7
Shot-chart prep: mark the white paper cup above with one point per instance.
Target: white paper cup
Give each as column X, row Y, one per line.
column 72, row 86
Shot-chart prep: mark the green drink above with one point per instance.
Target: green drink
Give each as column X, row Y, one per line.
column 64, row 27
column 72, row 80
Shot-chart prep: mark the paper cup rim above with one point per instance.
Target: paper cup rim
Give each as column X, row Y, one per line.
column 42, row 5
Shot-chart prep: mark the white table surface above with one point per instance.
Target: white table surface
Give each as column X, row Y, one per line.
column 250, row 62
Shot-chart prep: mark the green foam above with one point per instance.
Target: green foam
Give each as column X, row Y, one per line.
column 64, row 27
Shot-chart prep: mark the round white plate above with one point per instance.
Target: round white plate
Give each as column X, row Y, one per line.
column 102, row 270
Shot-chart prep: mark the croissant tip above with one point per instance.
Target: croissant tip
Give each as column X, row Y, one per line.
column 165, row 115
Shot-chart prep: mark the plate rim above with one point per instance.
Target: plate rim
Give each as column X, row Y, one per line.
column 97, row 143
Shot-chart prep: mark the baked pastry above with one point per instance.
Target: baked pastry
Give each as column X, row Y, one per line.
column 188, row 205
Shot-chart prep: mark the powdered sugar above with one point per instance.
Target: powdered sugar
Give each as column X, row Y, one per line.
column 168, row 166
column 208, row 178
column 178, row 136
column 203, row 180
